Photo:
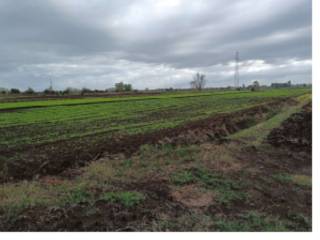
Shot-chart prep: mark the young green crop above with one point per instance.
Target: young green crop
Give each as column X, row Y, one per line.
column 127, row 115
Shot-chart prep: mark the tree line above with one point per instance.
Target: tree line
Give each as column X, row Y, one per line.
column 198, row 83
column 118, row 87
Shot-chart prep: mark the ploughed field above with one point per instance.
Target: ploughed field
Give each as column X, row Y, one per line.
column 183, row 161
column 48, row 136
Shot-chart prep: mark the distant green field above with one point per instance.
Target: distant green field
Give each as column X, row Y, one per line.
column 54, row 120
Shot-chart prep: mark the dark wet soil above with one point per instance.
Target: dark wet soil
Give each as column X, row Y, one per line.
column 294, row 133
column 100, row 215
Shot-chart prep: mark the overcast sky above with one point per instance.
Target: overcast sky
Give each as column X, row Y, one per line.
column 152, row 43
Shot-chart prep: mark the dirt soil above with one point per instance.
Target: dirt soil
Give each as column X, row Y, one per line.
column 101, row 215
column 295, row 132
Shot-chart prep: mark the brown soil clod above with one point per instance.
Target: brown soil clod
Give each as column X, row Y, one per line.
column 295, row 132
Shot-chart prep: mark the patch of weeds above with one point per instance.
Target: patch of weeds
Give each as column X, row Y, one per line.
column 148, row 150
column 78, row 194
column 165, row 225
column 226, row 197
column 251, row 221
column 188, row 221
column 145, row 148
column 186, row 153
column 167, row 148
column 3, row 162
column 98, row 172
column 183, row 178
column 124, row 166
column 228, row 190
column 282, row 178
column 17, row 197
column 300, row 222
column 127, row 163
column 128, row 199
column 302, row 180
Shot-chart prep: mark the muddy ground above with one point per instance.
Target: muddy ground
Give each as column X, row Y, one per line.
column 272, row 200
column 295, row 132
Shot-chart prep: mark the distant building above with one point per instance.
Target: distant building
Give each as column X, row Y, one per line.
column 281, row 85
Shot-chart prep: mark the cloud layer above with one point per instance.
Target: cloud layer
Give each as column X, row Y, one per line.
column 150, row 43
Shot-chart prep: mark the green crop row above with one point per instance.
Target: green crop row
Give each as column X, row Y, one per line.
column 33, row 126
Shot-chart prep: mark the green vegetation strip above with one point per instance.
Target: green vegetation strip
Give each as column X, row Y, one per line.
column 227, row 189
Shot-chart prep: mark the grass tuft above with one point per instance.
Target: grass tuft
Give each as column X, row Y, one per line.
column 128, row 199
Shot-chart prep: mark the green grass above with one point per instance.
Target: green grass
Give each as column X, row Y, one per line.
column 127, row 199
column 298, row 179
column 227, row 190
column 78, row 194
column 182, row 178
column 251, row 221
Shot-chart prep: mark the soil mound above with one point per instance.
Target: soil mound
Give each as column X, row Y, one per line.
column 294, row 133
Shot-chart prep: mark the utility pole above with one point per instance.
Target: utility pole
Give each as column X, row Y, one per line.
column 51, row 87
column 236, row 71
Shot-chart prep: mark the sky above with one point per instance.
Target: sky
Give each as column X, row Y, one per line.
column 153, row 43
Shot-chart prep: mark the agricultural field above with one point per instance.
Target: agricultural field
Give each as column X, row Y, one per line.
column 182, row 161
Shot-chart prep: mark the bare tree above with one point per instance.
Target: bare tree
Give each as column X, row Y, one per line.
column 198, row 82
column 255, row 86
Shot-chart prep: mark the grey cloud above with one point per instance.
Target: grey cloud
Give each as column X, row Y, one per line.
column 149, row 43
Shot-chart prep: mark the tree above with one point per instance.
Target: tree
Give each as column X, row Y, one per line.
column 198, row 82
column 49, row 91
column 255, row 86
column 119, row 87
column 122, row 87
column 127, row 87
column 3, row 90
column 85, row 90
column 29, row 91
column 70, row 91
column 14, row 91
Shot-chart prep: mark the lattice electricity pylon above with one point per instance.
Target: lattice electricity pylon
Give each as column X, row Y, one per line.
column 236, row 71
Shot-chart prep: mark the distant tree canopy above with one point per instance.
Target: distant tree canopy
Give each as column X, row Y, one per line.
column 198, row 82
column 29, row 91
column 122, row 87
column 3, row 90
column 14, row 91
column 85, row 90
column 49, row 91
column 71, row 90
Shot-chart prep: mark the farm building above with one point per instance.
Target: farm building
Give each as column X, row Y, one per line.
column 281, row 85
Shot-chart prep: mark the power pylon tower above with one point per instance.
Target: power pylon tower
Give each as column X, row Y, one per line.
column 236, row 71
column 51, row 86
